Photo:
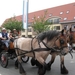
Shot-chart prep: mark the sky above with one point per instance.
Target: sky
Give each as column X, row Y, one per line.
column 10, row 8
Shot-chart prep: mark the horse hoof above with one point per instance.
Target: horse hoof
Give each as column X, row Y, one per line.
column 33, row 61
column 23, row 73
column 41, row 72
column 48, row 69
column 64, row 72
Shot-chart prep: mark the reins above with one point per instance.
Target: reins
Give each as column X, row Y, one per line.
column 36, row 50
column 54, row 49
column 32, row 50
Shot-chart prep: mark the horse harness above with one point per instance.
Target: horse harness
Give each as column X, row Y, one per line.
column 71, row 37
column 55, row 49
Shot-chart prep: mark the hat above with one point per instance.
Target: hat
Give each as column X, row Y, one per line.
column 14, row 29
column 3, row 28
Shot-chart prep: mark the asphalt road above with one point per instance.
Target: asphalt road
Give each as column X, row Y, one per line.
column 30, row 70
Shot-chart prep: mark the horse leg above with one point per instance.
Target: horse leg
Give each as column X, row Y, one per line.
column 41, row 66
column 33, row 61
column 51, row 62
column 16, row 64
column 21, row 69
column 63, row 68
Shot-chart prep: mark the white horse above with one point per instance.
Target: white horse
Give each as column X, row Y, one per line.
column 40, row 47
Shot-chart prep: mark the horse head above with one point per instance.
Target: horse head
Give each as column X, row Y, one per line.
column 61, row 42
column 56, row 40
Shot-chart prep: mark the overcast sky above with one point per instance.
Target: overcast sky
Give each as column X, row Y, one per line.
column 9, row 8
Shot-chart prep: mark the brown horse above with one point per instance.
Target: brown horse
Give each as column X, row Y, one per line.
column 53, row 56
column 40, row 47
column 70, row 40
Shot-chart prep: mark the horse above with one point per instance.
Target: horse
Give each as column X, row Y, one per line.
column 71, row 44
column 70, row 40
column 40, row 47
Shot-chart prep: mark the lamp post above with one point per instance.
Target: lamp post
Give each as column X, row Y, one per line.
column 25, row 16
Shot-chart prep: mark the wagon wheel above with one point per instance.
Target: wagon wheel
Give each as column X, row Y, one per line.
column 4, row 60
column 25, row 59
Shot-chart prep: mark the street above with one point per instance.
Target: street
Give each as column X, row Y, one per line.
column 30, row 70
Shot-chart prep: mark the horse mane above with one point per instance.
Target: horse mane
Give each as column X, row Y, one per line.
column 48, row 34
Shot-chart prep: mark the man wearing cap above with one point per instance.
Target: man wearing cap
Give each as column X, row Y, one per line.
column 4, row 36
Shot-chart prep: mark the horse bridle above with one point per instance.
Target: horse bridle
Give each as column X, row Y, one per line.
column 61, row 42
column 55, row 48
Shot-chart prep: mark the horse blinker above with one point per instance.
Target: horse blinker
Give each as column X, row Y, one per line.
column 61, row 41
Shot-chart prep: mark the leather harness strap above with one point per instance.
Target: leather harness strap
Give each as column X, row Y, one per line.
column 35, row 49
column 32, row 48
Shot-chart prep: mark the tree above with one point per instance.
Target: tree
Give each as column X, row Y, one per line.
column 41, row 24
column 12, row 23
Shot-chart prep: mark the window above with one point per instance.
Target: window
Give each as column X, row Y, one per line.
column 67, row 12
column 56, row 27
column 61, row 12
column 38, row 16
column 50, row 20
column 74, row 17
column 30, row 36
column 32, row 18
column 56, row 21
column 73, row 27
column 65, row 18
column 50, row 15
column 29, row 30
column 66, row 27
column 29, row 24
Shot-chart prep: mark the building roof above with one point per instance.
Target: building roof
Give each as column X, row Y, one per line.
column 65, row 12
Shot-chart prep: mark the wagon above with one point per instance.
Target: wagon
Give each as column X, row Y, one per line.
column 6, row 55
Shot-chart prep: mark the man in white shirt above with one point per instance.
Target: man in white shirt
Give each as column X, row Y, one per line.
column 4, row 36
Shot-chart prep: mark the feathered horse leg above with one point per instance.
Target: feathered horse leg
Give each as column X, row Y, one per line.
column 53, row 55
column 21, row 69
column 41, row 66
column 63, row 68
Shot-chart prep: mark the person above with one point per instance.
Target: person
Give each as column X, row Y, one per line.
column 4, row 36
column 15, row 33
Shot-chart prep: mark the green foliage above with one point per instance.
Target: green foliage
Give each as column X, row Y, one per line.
column 40, row 24
column 12, row 23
